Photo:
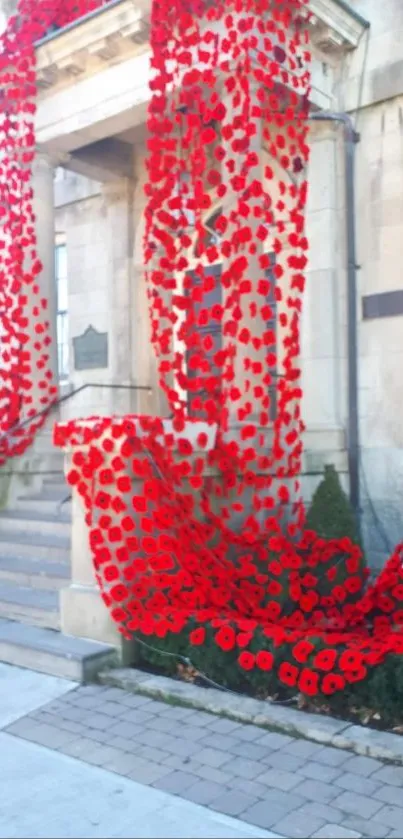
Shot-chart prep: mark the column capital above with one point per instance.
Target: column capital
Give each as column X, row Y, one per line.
column 51, row 159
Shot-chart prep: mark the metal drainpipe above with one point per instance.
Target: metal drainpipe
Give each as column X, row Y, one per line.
column 351, row 138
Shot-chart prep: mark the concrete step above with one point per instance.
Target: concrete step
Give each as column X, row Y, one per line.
column 49, row 492
column 42, row 546
column 44, row 505
column 29, row 522
column 51, row 652
column 37, row 607
column 58, row 488
column 57, row 479
column 34, row 573
column 48, row 459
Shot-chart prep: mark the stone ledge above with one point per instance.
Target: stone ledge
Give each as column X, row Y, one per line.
column 321, row 729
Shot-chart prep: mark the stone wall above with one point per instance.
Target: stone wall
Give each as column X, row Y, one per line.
column 370, row 86
column 103, row 225
column 380, row 225
column 105, row 228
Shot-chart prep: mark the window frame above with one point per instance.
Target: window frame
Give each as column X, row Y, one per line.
column 62, row 313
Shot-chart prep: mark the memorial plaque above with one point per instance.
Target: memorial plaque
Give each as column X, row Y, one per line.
column 91, row 350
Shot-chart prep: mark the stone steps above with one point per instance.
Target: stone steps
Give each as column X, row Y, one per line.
column 51, row 652
column 44, row 546
column 34, row 573
column 35, row 539
column 37, row 607
column 45, row 506
column 35, row 523
column 55, row 481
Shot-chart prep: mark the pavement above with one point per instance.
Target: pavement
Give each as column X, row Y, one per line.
column 45, row 793
column 99, row 761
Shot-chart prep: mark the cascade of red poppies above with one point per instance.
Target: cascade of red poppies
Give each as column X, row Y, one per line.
column 196, row 523
column 27, row 385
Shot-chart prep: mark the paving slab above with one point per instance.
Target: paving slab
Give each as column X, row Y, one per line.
column 47, row 794
column 289, row 785
column 23, row 691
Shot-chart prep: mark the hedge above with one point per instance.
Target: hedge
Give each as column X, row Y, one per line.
column 381, row 692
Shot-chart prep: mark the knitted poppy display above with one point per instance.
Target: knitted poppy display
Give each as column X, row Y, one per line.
column 196, row 523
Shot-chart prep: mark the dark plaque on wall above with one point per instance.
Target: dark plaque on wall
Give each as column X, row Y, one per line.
column 91, row 350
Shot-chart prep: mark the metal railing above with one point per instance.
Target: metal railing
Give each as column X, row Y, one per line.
column 49, row 409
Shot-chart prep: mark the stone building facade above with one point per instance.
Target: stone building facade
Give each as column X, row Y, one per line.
column 93, row 93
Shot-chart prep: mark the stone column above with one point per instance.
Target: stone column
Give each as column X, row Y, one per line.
column 119, row 208
column 245, row 379
column 323, row 323
column 42, row 184
column 82, row 611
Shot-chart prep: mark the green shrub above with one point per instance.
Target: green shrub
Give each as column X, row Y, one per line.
column 215, row 664
column 330, row 514
column 381, row 692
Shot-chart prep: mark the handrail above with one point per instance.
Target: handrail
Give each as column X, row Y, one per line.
column 60, row 401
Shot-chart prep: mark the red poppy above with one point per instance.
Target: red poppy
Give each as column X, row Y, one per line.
column 273, row 610
column 265, row 660
column 246, row 660
column 288, row 674
column 274, row 588
column 119, row 615
column 119, row 592
column 308, row 601
column 357, row 674
column 302, row 651
column 197, row 636
column 308, row 682
column 225, row 638
column 110, row 573
column 350, row 660
column 124, row 483
column 331, row 683
column 353, row 585
column 139, row 503
column 243, row 639
column 325, row 660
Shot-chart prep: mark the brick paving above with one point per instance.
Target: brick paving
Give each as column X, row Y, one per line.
column 293, row 787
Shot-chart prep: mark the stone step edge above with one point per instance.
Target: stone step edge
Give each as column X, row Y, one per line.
column 321, row 729
column 84, row 665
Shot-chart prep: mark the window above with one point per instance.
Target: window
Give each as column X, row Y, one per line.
column 210, row 375
column 211, row 234
column 62, row 305
column 211, row 237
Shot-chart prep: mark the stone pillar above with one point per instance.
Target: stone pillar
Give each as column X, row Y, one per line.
column 82, row 610
column 143, row 359
column 119, row 209
column 246, row 379
column 42, row 184
column 323, row 323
